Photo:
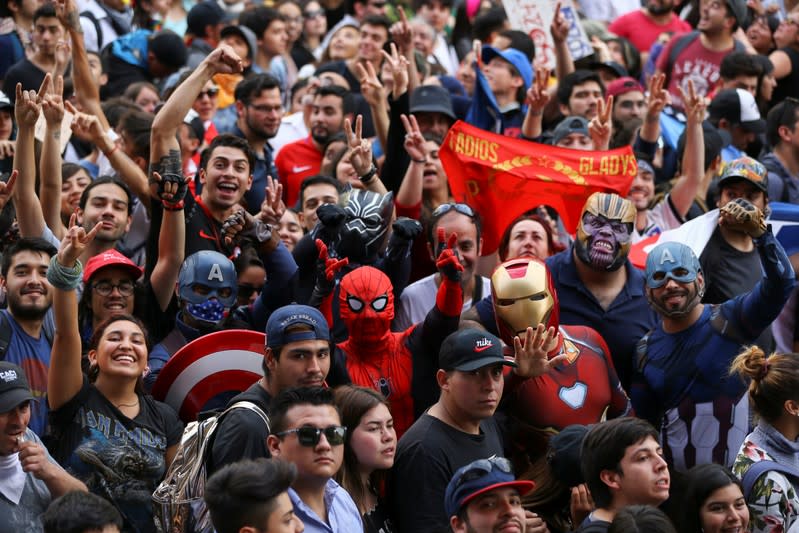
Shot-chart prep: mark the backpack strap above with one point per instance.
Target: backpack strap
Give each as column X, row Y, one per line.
column 477, row 292
column 244, row 404
column 755, row 471
column 5, row 334
column 682, row 42
column 173, row 342
column 97, row 29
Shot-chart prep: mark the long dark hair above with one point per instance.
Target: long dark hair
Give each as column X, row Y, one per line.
column 700, row 482
column 354, row 403
column 94, row 370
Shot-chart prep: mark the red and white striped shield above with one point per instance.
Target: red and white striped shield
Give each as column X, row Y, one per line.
column 220, row 363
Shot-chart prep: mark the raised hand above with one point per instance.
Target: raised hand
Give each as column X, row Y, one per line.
column 371, row 88
column 600, row 128
column 658, row 96
column 402, row 33
column 170, row 189
column 531, row 354
column 398, row 66
column 414, row 140
column 741, row 215
column 28, row 103
column 328, row 266
column 601, row 49
column 693, row 104
column 361, row 149
column 581, row 503
column 272, row 208
column 67, row 12
column 447, row 261
column 75, row 242
column 406, row 228
column 88, row 127
column 7, row 149
column 477, row 48
column 223, row 60
column 53, row 103
column 6, row 188
column 560, row 26
column 63, row 51
column 537, row 94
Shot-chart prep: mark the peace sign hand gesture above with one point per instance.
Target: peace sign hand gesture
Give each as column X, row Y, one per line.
column 600, row 128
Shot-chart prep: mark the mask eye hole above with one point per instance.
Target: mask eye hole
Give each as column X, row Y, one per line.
column 355, row 304
column 379, row 303
column 659, row 276
column 680, row 272
column 538, row 297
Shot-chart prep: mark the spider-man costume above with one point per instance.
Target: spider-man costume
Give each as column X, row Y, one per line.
column 401, row 365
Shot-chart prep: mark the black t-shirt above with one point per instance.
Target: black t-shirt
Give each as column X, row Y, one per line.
column 729, row 273
column 377, row 520
column 203, row 231
column 428, row 454
column 241, row 434
column 118, row 458
column 26, row 73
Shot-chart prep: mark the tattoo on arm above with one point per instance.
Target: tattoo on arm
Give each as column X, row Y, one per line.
column 73, row 21
column 169, row 164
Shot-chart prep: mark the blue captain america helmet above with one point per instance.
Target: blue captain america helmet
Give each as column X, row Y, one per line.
column 671, row 260
column 206, row 275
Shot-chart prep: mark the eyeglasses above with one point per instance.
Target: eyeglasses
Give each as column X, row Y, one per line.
column 105, row 288
column 309, row 436
column 483, row 467
column 210, row 93
column 246, row 291
column 314, row 14
column 463, row 209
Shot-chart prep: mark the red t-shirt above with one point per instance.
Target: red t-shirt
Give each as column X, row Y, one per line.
column 642, row 31
column 295, row 162
column 695, row 63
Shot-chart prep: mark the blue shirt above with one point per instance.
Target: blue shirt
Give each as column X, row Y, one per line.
column 33, row 355
column 342, row 513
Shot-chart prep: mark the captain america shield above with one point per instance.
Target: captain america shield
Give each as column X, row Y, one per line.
column 217, row 365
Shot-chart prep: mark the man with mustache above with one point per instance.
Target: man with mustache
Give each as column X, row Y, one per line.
column 26, row 327
column 681, row 381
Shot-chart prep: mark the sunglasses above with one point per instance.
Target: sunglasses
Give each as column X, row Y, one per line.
column 314, row 14
column 309, row 436
column 483, row 467
column 246, row 291
column 210, row 93
column 463, row 209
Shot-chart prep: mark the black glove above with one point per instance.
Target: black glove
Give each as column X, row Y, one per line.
column 331, row 216
column 407, row 228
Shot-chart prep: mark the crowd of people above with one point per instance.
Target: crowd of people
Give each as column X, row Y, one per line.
column 176, row 171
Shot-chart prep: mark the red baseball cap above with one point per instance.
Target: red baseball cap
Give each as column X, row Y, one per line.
column 624, row 86
column 109, row 259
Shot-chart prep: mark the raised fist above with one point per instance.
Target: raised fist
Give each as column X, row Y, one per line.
column 741, row 215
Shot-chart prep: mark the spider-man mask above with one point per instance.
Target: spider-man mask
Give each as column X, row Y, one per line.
column 366, row 303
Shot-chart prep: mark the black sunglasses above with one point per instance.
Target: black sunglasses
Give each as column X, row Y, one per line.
column 443, row 209
column 246, row 291
column 483, row 467
column 309, row 436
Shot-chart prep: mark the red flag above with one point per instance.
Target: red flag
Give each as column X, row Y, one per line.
column 502, row 177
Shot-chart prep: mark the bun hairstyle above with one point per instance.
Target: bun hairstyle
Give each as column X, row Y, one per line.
column 774, row 379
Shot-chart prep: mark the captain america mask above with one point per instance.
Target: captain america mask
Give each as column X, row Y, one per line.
column 207, row 286
column 673, row 261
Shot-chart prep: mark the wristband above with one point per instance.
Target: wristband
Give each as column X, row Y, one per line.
column 173, row 206
column 366, row 178
column 64, row 278
column 112, row 150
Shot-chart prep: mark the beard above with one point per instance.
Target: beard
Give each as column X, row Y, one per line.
column 658, row 9
column 27, row 312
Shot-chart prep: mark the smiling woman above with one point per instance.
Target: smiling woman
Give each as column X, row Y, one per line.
column 106, row 432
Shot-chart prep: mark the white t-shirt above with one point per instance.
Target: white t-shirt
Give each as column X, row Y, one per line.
column 660, row 218
column 419, row 298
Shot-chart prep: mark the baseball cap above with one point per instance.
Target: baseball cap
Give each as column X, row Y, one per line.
column 515, row 58
column 623, row 85
column 564, row 454
column 738, row 8
column 470, row 349
column 5, row 102
column 745, row 168
column 168, row 47
column 109, row 259
column 294, row 315
column 738, row 107
column 14, row 388
column 479, row 477
column 204, row 14
column 431, row 99
column 616, row 68
column 568, row 126
column 245, row 33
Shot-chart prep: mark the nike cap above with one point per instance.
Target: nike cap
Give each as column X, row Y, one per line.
column 470, row 349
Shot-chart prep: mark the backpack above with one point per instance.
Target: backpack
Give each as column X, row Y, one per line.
column 6, row 331
column 681, row 44
column 178, row 501
column 751, row 476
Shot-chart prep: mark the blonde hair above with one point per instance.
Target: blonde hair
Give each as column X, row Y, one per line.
column 774, row 379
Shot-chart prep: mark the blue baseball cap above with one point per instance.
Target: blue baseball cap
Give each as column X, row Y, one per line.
column 515, row 58
column 479, row 477
column 671, row 260
column 293, row 315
